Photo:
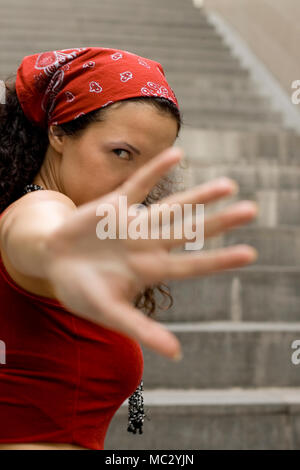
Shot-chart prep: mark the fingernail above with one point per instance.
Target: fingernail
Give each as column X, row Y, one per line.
column 227, row 182
column 255, row 254
column 246, row 206
column 235, row 189
column 178, row 356
column 176, row 151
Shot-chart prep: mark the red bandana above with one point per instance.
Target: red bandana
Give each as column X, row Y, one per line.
column 58, row 86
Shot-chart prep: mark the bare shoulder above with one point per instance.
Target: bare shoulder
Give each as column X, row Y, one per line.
column 31, row 284
column 34, row 197
column 44, row 195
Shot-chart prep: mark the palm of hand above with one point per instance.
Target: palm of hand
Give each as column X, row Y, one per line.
column 98, row 279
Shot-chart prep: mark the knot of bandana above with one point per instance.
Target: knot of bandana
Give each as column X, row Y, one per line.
column 55, row 87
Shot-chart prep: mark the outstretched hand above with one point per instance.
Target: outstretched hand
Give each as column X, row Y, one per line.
column 99, row 279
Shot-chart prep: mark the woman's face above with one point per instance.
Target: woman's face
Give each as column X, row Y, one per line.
column 89, row 166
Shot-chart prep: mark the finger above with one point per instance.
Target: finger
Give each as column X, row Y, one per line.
column 186, row 266
column 183, row 226
column 235, row 215
column 238, row 214
column 118, row 315
column 138, row 186
column 137, row 326
column 204, row 193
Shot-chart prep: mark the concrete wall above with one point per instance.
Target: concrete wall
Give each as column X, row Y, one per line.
column 271, row 29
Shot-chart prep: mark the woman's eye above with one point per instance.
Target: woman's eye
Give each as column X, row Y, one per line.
column 126, row 157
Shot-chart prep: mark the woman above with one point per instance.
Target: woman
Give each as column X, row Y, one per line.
column 83, row 127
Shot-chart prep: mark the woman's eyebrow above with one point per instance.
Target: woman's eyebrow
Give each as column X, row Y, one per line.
column 128, row 145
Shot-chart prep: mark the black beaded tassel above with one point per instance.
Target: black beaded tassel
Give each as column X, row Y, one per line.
column 136, row 413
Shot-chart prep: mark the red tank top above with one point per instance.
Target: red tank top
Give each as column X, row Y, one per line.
column 64, row 377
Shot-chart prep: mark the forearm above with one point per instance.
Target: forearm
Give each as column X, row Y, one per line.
column 25, row 232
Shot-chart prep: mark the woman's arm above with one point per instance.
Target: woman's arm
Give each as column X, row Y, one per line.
column 26, row 225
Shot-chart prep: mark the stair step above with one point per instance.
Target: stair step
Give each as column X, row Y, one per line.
column 227, row 114
column 218, row 123
column 275, row 188
column 107, row 17
column 211, row 84
column 196, row 66
column 245, row 105
column 250, row 294
column 240, row 419
column 248, row 96
column 163, row 54
column 276, row 207
column 166, row 29
column 270, row 242
column 170, row 4
column 227, row 354
column 128, row 42
column 142, row 13
column 214, row 148
column 111, row 25
column 211, row 119
column 277, row 179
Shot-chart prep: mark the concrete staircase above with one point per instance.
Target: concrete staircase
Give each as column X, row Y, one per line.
column 236, row 387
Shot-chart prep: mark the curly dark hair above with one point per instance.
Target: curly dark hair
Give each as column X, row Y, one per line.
column 23, row 146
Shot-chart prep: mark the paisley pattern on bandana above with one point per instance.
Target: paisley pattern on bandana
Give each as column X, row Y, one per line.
column 59, row 86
